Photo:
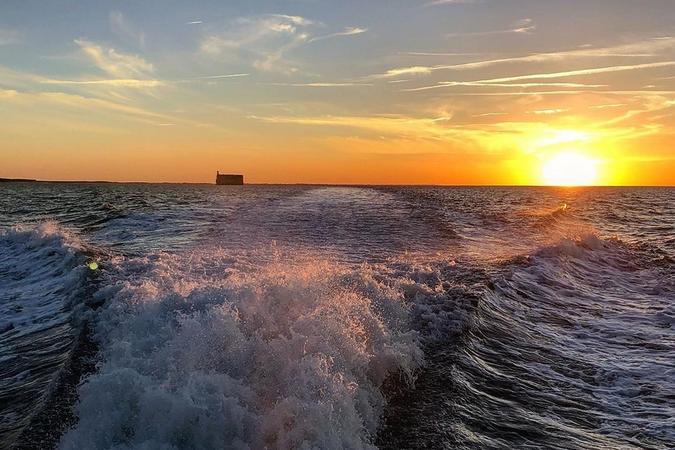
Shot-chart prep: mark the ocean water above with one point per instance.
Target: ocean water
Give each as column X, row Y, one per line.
column 302, row 317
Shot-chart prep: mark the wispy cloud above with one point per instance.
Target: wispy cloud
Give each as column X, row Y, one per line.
column 574, row 73
column 8, row 93
column 553, row 75
column 249, row 31
column 120, row 71
column 319, row 85
column 524, row 26
column 115, row 63
column 297, row 20
column 536, row 94
column 389, row 125
column 439, row 54
column 446, row 130
column 87, row 103
column 549, row 112
column 138, row 83
column 487, row 83
column 261, row 41
column 608, row 105
column 228, row 75
column 265, row 42
column 640, row 49
column 489, row 114
column 349, row 31
column 118, row 82
column 123, row 28
column 413, row 70
column 26, row 81
column 90, row 95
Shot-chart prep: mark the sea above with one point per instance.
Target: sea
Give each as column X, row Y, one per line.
column 160, row 316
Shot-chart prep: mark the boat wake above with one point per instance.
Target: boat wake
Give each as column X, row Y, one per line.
column 207, row 350
column 262, row 346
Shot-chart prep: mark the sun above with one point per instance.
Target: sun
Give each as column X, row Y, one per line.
column 570, row 169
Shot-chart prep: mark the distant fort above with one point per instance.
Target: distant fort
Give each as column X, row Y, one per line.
column 223, row 179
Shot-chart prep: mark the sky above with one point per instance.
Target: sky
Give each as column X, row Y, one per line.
column 315, row 91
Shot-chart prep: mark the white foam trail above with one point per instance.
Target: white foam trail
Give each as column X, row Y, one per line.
column 202, row 351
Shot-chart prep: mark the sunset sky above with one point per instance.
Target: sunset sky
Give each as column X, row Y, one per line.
column 398, row 91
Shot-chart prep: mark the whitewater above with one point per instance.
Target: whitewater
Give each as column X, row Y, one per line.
column 141, row 316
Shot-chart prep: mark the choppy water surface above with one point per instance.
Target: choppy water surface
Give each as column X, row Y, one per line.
column 336, row 317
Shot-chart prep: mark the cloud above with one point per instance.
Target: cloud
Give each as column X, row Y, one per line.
column 439, row 54
column 297, row 20
column 524, row 26
column 319, row 85
column 217, row 77
column 115, row 63
column 609, row 105
column 210, row 78
column 348, row 31
column 437, row 129
column 264, row 42
column 389, row 125
column 507, row 85
column 29, row 82
column 490, row 114
column 549, row 112
column 495, row 135
column 8, row 93
column 137, row 83
column 574, row 73
column 87, row 95
column 275, row 60
column 118, row 82
column 413, row 70
column 261, row 41
column 121, row 26
column 640, row 49
column 542, row 76
column 536, row 94
column 252, row 32
column 87, row 103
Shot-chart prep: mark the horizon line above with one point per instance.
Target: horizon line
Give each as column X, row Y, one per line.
column 30, row 180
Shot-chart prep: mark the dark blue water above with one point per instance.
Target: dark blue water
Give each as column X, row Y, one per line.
column 336, row 317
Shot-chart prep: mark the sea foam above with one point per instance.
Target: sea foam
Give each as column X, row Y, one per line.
column 204, row 350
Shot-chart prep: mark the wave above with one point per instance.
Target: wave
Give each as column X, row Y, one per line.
column 569, row 347
column 206, row 349
column 552, row 218
column 42, row 280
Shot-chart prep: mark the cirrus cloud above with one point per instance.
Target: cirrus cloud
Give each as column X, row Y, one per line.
column 113, row 62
